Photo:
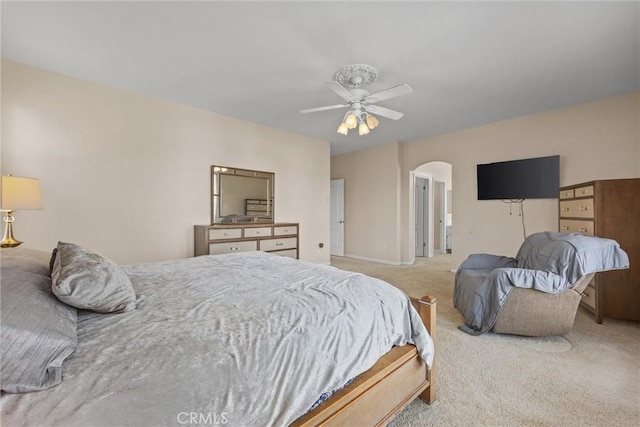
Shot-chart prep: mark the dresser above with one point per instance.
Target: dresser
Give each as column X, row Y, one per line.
column 279, row 239
column 611, row 209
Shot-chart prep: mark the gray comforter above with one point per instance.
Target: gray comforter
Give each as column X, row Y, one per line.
column 548, row 262
column 246, row 339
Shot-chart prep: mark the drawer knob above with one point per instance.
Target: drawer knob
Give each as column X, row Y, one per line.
column 584, row 230
column 234, row 248
column 564, row 227
column 564, row 208
column 257, row 232
column 583, row 208
column 226, row 234
column 280, row 244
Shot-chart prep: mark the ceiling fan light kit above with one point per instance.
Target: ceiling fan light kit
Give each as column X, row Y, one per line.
column 359, row 100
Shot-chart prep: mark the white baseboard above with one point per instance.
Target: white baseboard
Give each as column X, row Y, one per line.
column 379, row 261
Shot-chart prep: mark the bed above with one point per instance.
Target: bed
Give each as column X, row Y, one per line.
column 239, row 339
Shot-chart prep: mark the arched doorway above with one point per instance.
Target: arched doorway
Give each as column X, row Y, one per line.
column 432, row 192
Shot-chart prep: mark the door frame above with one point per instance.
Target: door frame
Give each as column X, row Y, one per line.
column 425, row 215
column 337, row 224
column 440, row 229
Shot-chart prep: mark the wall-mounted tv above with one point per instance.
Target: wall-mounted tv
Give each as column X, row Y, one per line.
column 537, row 178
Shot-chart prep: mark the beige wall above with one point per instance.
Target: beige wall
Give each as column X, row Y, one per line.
column 128, row 175
column 595, row 140
column 371, row 202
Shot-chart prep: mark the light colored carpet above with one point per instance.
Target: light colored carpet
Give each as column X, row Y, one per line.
column 591, row 376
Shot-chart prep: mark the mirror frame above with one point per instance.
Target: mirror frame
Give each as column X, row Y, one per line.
column 217, row 171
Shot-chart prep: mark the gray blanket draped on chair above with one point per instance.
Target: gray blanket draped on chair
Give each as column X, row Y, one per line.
column 547, row 261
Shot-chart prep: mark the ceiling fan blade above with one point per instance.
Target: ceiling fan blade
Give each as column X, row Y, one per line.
column 383, row 111
column 341, row 91
column 328, row 107
column 392, row 92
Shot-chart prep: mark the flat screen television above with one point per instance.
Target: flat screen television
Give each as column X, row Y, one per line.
column 537, row 178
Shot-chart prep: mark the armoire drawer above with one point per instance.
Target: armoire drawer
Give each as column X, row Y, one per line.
column 577, row 226
column 566, row 194
column 585, row 191
column 581, row 208
column 589, row 297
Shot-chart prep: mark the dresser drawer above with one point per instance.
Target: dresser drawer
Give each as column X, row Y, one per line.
column 283, row 231
column 276, row 244
column 584, row 191
column 257, row 232
column 589, row 297
column 229, row 247
column 576, row 208
column 291, row 253
column 566, row 194
column 226, row 233
column 576, row 226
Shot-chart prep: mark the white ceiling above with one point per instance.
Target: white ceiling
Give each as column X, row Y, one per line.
column 469, row 63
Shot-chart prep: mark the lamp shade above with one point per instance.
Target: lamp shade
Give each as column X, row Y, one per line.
column 17, row 192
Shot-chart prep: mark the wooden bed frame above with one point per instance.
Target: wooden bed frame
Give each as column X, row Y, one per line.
column 379, row 394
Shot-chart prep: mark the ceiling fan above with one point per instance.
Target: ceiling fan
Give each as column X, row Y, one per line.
column 360, row 101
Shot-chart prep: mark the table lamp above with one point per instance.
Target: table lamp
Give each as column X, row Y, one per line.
column 17, row 193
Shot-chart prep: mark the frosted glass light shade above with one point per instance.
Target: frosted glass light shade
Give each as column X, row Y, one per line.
column 351, row 122
column 372, row 122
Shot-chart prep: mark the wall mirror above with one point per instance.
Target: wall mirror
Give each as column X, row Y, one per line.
column 241, row 195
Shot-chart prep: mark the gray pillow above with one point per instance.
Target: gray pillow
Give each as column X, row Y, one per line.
column 38, row 332
column 85, row 279
column 25, row 259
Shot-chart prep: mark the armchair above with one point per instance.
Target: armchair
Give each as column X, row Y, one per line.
column 537, row 293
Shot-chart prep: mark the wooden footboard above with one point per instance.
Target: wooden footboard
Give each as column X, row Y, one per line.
column 377, row 395
column 426, row 307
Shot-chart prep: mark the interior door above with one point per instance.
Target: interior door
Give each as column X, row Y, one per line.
column 337, row 217
column 421, row 204
column 438, row 217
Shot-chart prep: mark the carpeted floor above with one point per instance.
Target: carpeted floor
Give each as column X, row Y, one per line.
column 589, row 377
